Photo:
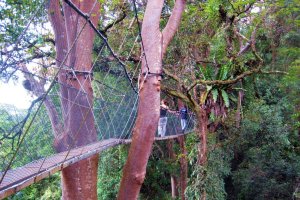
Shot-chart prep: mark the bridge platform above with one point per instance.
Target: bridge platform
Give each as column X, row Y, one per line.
column 16, row 179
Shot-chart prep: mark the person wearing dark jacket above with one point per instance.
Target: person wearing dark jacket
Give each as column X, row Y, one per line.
column 183, row 117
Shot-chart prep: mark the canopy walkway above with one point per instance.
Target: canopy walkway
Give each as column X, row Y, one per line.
column 108, row 113
column 17, row 179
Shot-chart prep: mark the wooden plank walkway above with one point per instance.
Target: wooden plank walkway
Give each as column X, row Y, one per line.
column 19, row 178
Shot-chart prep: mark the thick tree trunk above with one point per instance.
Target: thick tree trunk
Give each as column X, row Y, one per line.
column 155, row 43
column 74, row 39
column 149, row 104
column 143, row 136
column 79, row 181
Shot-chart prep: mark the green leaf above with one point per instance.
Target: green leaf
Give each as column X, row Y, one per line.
column 212, row 116
column 207, row 72
column 233, row 98
column 225, row 98
column 215, row 94
column 225, row 72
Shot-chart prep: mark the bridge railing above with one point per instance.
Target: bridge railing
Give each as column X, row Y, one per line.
column 173, row 126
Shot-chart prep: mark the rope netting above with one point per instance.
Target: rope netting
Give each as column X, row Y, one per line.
column 28, row 135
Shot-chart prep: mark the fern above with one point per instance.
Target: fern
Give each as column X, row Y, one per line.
column 207, row 72
column 223, row 72
column 215, row 94
column 225, row 98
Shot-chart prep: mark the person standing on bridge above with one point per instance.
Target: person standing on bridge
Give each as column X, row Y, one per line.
column 162, row 123
column 183, row 117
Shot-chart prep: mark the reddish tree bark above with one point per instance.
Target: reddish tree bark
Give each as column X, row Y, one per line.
column 155, row 44
column 74, row 39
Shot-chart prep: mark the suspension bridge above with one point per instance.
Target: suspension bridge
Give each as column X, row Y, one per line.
column 17, row 179
column 27, row 155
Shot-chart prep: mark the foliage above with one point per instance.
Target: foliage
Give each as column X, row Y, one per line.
column 39, row 136
column 269, row 164
column 157, row 182
column 159, row 169
column 209, row 178
column 23, row 31
column 48, row 188
column 110, row 171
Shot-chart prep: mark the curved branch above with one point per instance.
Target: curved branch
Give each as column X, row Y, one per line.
column 118, row 20
column 37, row 88
column 188, row 95
column 185, row 98
column 173, row 24
column 172, row 76
column 274, row 72
column 236, row 79
column 224, row 82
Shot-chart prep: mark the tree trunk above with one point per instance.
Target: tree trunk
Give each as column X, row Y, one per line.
column 155, row 44
column 183, row 167
column 148, row 110
column 239, row 109
column 183, row 160
column 202, row 133
column 74, row 39
column 174, row 182
column 174, row 186
column 202, row 130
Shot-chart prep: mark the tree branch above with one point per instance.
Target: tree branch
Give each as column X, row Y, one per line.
column 173, row 24
column 118, row 20
column 243, row 11
column 274, row 72
column 104, row 39
column 187, row 98
column 175, row 93
column 56, row 18
column 37, row 88
column 235, row 80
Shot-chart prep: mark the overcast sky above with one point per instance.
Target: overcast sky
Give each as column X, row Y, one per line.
column 14, row 94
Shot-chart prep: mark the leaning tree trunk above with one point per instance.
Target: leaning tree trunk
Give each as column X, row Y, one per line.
column 73, row 43
column 155, row 43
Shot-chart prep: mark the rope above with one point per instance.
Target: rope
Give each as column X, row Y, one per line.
column 41, row 99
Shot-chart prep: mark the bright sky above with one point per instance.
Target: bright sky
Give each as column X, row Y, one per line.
column 13, row 93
